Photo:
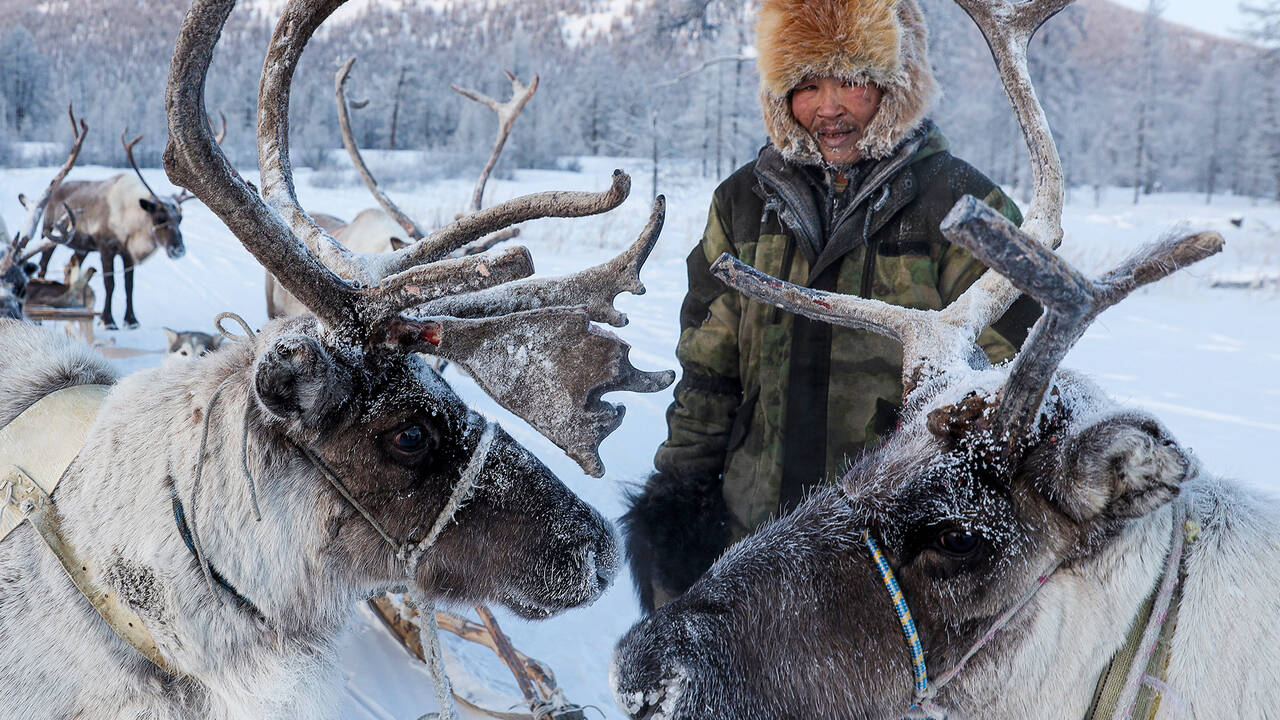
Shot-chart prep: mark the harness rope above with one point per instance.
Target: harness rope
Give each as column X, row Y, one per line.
column 1138, row 674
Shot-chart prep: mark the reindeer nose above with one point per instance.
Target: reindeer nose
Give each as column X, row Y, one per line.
column 177, row 251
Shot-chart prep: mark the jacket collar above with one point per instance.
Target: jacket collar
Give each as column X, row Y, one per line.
column 793, row 191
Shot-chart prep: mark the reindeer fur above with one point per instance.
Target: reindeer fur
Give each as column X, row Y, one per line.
column 794, row 622
column 305, row 566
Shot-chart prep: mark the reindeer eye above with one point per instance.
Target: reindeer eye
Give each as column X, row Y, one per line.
column 960, row 543
column 411, row 442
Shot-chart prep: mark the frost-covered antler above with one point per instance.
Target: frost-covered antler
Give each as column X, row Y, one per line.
column 934, row 341
column 547, row 362
column 35, row 211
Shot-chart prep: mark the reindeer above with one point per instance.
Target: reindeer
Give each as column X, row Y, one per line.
column 122, row 216
column 382, row 230
column 367, row 471
column 1021, row 547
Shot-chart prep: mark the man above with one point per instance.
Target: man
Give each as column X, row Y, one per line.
column 847, row 196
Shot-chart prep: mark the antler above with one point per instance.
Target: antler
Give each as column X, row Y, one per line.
column 128, row 151
column 547, row 364
column 507, row 113
column 1071, row 301
column 353, row 150
column 35, row 211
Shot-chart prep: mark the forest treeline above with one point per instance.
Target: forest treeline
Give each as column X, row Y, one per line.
column 1133, row 100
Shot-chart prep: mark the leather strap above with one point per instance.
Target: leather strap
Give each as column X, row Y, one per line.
column 35, row 450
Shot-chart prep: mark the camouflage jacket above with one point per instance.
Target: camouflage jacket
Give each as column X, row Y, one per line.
column 772, row 403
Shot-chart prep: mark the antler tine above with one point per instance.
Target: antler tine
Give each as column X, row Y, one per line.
column 128, row 152
column 507, row 112
column 563, row 204
column 35, row 211
column 593, row 289
column 353, row 150
column 193, row 160
column 1070, row 300
column 571, row 362
column 32, row 253
column 66, row 227
column 1008, row 28
column 297, row 24
column 222, row 134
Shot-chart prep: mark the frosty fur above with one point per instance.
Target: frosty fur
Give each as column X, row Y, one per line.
column 884, row 42
column 523, row 540
column 1095, row 501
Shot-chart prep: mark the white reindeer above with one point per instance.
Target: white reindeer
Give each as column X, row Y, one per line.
column 148, row 587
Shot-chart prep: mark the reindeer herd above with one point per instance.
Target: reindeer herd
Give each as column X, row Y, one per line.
column 1021, row 547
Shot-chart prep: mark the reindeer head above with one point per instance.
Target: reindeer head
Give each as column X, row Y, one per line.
column 1000, row 481
column 471, row 513
column 165, row 214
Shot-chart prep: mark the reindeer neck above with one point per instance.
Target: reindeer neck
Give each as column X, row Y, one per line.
column 1051, row 671
column 121, row 486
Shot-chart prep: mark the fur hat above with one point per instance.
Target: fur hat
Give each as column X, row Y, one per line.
column 884, row 42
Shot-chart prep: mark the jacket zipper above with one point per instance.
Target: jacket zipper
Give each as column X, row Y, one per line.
column 869, row 265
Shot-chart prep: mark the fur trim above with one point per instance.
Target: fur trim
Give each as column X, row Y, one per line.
column 879, row 41
column 675, row 529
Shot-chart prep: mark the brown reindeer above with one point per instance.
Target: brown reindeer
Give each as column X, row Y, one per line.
column 1019, row 548
column 121, row 216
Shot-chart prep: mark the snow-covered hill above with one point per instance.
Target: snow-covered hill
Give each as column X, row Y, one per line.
column 1205, row 360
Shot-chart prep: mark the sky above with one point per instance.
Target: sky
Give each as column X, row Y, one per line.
column 1221, row 17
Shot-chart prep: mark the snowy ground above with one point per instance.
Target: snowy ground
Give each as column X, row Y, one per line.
column 1204, row 359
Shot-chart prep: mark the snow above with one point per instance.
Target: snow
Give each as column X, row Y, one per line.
column 1204, row 359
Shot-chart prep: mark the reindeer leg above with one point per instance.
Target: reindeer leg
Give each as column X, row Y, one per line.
column 45, row 257
column 108, row 286
column 130, row 320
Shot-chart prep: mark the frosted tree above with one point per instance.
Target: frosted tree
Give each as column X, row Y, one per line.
column 1265, row 29
column 24, row 79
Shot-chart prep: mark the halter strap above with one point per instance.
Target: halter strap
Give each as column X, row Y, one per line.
column 1156, row 626
column 925, row 691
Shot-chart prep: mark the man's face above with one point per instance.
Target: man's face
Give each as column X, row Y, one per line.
column 836, row 112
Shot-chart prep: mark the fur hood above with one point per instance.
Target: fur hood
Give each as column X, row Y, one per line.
column 879, row 41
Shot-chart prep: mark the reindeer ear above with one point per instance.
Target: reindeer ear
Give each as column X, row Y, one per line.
column 1122, row 467
column 297, row 380
column 146, row 204
column 398, row 244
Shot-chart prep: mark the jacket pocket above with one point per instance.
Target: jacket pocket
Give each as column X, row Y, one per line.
column 742, row 420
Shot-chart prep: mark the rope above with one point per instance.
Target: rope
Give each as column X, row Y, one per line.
column 461, row 493
column 924, row 692
column 1160, row 610
column 247, row 338
column 195, row 490
column 428, row 630
column 346, row 495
